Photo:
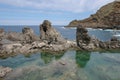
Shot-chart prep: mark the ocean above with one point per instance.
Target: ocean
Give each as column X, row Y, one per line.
column 69, row 65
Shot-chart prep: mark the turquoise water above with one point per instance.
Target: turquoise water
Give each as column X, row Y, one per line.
column 69, row 65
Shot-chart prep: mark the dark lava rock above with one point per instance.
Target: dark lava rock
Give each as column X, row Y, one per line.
column 48, row 33
column 29, row 35
column 2, row 33
column 85, row 42
column 4, row 71
column 81, row 35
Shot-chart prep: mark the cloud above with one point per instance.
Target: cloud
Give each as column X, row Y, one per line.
column 75, row 6
column 21, row 22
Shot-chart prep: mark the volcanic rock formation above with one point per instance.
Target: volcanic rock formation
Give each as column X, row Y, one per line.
column 107, row 16
column 48, row 33
column 85, row 42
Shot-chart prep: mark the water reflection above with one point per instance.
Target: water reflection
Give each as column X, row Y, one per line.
column 48, row 57
column 82, row 57
column 70, row 65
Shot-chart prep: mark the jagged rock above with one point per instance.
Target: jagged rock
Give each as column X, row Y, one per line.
column 47, row 32
column 82, row 35
column 9, row 48
column 102, row 45
column 14, row 36
column 114, row 39
column 85, row 42
column 5, row 41
column 82, row 38
column 29, row 35
column 28, row 42
column 38, row 44
column 4, row 71
column 107, row 16
column 2, row 33
column 27, row 30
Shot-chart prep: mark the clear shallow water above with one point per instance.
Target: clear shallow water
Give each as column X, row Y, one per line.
column 69, row 65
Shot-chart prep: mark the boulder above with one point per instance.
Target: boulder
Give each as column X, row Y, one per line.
column 38, row 45
column 48, row 33
column 9, row 48
column 15, row 36
column 4, row 71
column 2, row 33
column 29, row 35
column 27, row 30
column 82, row 37
column 114, row 39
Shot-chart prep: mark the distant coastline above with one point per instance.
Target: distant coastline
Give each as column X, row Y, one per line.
column 107, row 17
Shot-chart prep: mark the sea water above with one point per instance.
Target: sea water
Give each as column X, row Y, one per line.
column 68, row 65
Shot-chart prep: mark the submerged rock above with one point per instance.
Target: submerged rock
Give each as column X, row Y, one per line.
column 4, row 71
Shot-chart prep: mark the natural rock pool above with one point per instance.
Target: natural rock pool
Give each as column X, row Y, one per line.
column 69, row 65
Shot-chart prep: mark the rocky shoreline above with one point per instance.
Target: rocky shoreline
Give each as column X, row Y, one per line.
column 28, row 42
column 85, row 42
column 50, row 40
column 4, row 71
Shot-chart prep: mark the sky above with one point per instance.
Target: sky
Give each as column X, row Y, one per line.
column 59, row 12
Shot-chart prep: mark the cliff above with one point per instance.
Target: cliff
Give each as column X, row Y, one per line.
column 107, row 16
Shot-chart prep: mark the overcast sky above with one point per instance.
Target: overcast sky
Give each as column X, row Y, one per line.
column 59, row 12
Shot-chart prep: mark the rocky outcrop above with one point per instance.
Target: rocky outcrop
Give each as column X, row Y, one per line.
column 4, row 71
column 27, row 35
column 82, row 35
column 28, row 42
column 1, row 33
column 85, row 42
column 48, row 33
column 16, row 47
column 107, row 16
column 14, row 36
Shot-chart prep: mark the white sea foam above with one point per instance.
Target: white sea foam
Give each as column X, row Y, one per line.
column 108, row 30
column 117, row 35
column 93, row 29
column 63, row 27
column 69, row 28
